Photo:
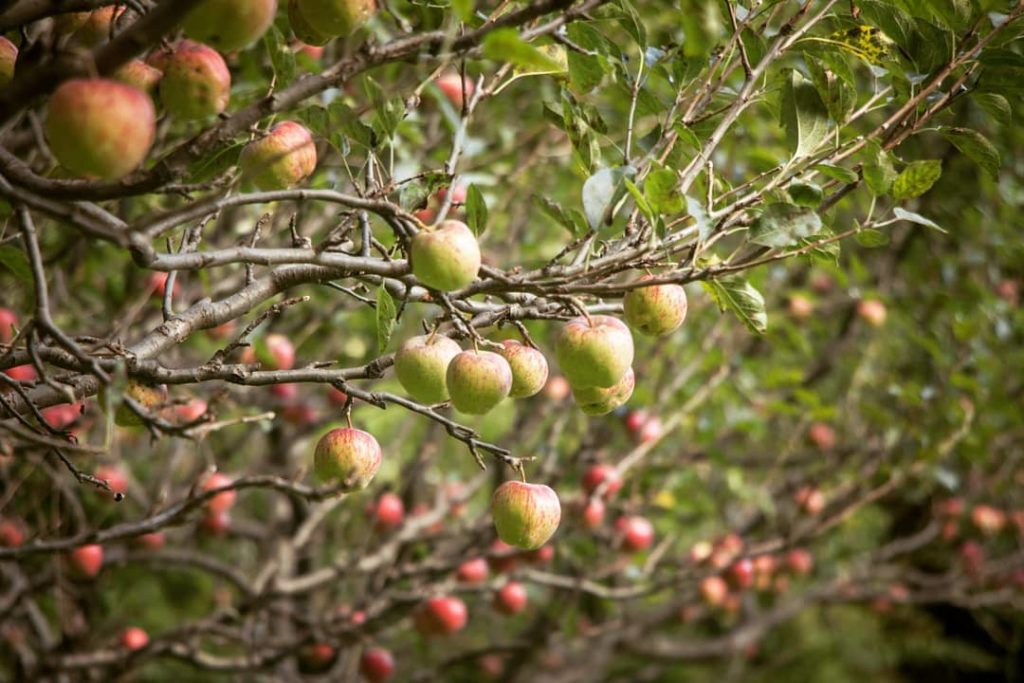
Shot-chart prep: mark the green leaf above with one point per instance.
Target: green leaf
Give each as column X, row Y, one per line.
column 386, row 315
column 585, row 71
column 995, row 105
column 806, row 194
column 505, row 45
column 463, row 9
column 476, row 210
column 781, row 225
column 700, row 218
column 282, row 59
column 843, row 175
column 804, row 115
column 839, row 97
column 976, row 146
column 15, row 260
column 603, row 190
column 916, row 179
column 641, row 201
column 879, row 171
column 871, row 238
column 739, row 296
column 572, row 221
column 905, row 215
column 661, row 188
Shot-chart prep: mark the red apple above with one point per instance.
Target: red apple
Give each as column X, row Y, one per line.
column 714, row 590
column 8, row 321
column 822, row 436
column 134, row 638
column 592, row 515
column 215, row 523
column 115, row 478
column 316, row 658
column 525, row 515
column 972, row 558
column 502, row 557
column 541, row 555
column 63, row 416
column 158, row 284
column 441, row 615
column 377, row 665
column 12, row 532
column 347, row 456
column 800, row 561
column 285, row 393
column 454, row 88
column 988, row 520
column 599, row 474
column 511, row 598
column 336, row 397
column 281, row 158
column 637, row 533
column 389, row 512
column 741, row 574
column 87, row 560
column 473, row 571
column 196, row 82
column 21, row 373
column 151, row 541
column 492, row 667
column 872, row 312
column 299, row 414
column 811, row 500
column 222, row 502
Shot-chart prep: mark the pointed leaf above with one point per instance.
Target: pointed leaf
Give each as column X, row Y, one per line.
column 916, row 179
column 476, row 210
column 976, row 146
column 781, row 225
column 804, row 115
column 386, row 314
column 739, row 296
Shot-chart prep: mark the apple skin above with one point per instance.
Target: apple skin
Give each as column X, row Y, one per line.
column 421, row 365
column 316, row 658
column 19, row 373
column 100, row 128
column 348, row 456
column 592, row 515
column 800, row 561
column 196, row 82
column 440, row 616
column 529, row 368
column 558, row 388
column 8, row 321
column 988, row 520
column 800, row 307
column 525, row 515
column 134, row 638
column 450, row 84
column 473, row 571
column 336, row 17
column 714, row 590
column 510, row 598
column 741, row 574
column 215, row 523
column 389, row 512
column 151, row 541
column 811, row 500
column 872, row 311
column 377, row 665
column 115, row 478
column 138, row 74
column 594, row 353
column 599, row 474
column 146, row 395
column 502, row 558
column 274, row 352
column 8, row 57
column 303, row 30
column 87, row 560
column 445, row 257
column 224, row 501
column 12, row 532
column 822, row 436
column 478, row 381
column 601, row 401
column 655, row 310
column 282, row 158
column 429, row 213
column 229, row 25
column 637, row 533
column 62, row 416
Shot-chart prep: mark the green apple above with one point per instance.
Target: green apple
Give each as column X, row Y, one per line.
column 421, row 365
column 603, row 400
column 196, row 82
column 337, row 17
column 594, row 352
column 445, row 256
column 347, row 456
column 478, row 381
column 525, row 515
column 282, row 158
column 655, row 310
column 529, row 368
column 229, row 25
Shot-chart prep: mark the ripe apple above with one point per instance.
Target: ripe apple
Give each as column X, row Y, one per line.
column 525, row 515
column 221, row 502
column 115, row 478
column 988, row 520
column 196, row 82
column 510, row 598
column 764, row 569
column 347, row 456
column 655, row 310
column 491, row 666
column 229, row 25
column 285, row 393
column 138, row 74
column 389, row 512
column 714, row 590
column 12, row 532
column 62, row 416
column 421, row 365
column 637, row 533
column 8, row 323
column 19, row 373
column 8, row 57
column 1008, row 291
column 304, row 30
column 187, row 413
column 377, row 665
column 822, row 436
column 557, row 388
column 149, row 397
column 972, row 558
column 800, row 307
column 336, row 397
column 452, row 85
column 428, row 214
column 602, row 473
column 100, row 128
column 89, row 29
column 951, row 507
column 316, row 658
column 215, row 523
column 872, row 311
column 601, row 401
column 541, row 555
column 594, row 353
column 282, row 158
column 445, row 256
column 134, row 638
column 700, row 552
column 502, row 557
column 741, row 574
column 337, row 17
column 440, row 616
column 800, row 561
column 726, row 551
column 158, row 284
column 811, row 500
column 473, row 571
column 593, row 513
column 274, row 352
column 529, row 368
column 86, row 560
column 151, row 541
column 299, row 414
column 478, row 381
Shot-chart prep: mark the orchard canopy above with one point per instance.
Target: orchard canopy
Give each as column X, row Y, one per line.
column 541, row 341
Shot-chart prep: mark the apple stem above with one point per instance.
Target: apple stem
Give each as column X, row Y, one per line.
column 476, row 346
column 433, row 333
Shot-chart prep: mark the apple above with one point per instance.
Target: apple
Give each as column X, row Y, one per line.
column 223, row 331
column 542, row 555
column 8, row 58
column 187, row 413
column 525, row 515
column 12, row 532
column 1007, row 290
column 8, row 323
column 229, row 25
column 502, row 557
column 451, row 84
column 726, row 551
column 138, row 74
column 134, row 638
column 299, row 414
column 594, row 352
column 282, row 158
column 347, row 456
column 800, row 307
column 196, row 82
column 337, row 397
column 445, row 256
column 1017, row 518
column 215, row 523
column 700, row 552
column 158, row 284
column 822, row 436
column 491, row 666
column 600, row 400
column 429, row 213
column 478, row 381
column 316, row 658
column 714, row 590
column 377, row 665
column 593, row 513
column 872, row 311
column 20, row 373
column 473, row 571
column 557, row 388
column 389, row 512
column 89, row 29
column 274, row 352
column 764, row 569
column 510, row 598
column 529, row 368
column 988, row 520
column 811, row 500
column 86, row 560
column 62, row 416
column 440, row 616
column 221, row 502
column 314, row 52
column 952, row 507
column 800, row 561
column 337, row 17
column 635, row 421
column 285, row 393
column 100, row 128
column 972, row 557
column 741, row 574
column 655, row 310
column 602, row 473
column 950, row 530
column 421, row 364
column 149, row 397
column 115, row 478
column 304, row 30
column 637, row 533
column 151, row 541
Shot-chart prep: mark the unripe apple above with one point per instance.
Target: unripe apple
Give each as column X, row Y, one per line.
column 304, row 30
column 12, row 532
column 800, row 307
column 347, row 456
column 440, row 616
column 337, row 17
column 595, row 352
column 602, row 473
column 8, row 322
column 741, row 574
column 478, row 381
column 655, row 310
column 229, row 25
column 700, row 552
column 281, row 158
column 593, row 513
column 510, row 598
column 86, row 560
column 115, row 478
column 473, row 571
column 714, row 590
column 872, row 311
column 451, row 84
column 421, row 365
column 138, row 74
column 445, row 256
column 502, row 557
column 811, row 500
column 100, row 128
column 196, row 82
column 134, row 638
column 389, row 512
column 557, row 388
column 151, row 541
column 637, row 533
column 377, row 665
column 601, row 401
column 149, row 397
column 316, row 658
column 800, row 561
column 988, row 520
column 529, row 368
column 822, row 436
column 89, row 29
column 8, row 58
column 525, row 515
